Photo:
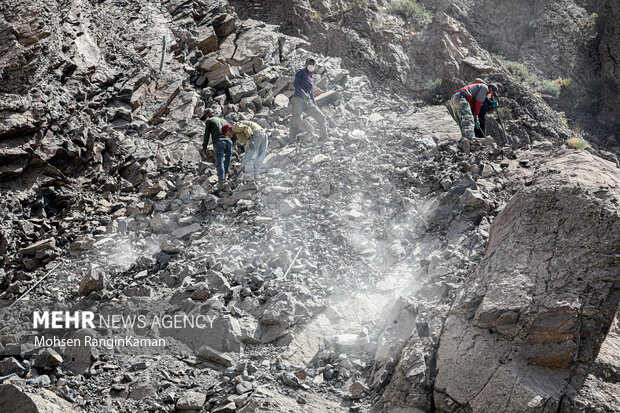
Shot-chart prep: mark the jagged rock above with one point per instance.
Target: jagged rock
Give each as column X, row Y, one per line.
column 39, row 245
column 79, row 356
column 357, row 389
column 474, row 199
column 93, row 281
column 47, row 357
column 185, row 232
column 224, row 25
column 217, row 282
column 216, row 69
column 513, row 312
column 206, row 41
column 208, row 353
column 243, row 387
column 230, row 407
column 191, row 400
column 14, row 399
column 280, row 101
column 10, row 366
column 327, row 98
column 141, row 390
column 242, row 88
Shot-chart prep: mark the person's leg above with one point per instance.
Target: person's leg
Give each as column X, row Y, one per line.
column 455, row 105
column 227, row 155
column 298, row 107
column 262, row 143
column 481, row 132
column 251, row 151
column 220, row 148
column 463, row 111
column 314, row 111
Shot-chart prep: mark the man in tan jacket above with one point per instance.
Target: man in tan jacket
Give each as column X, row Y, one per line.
column 255, row 139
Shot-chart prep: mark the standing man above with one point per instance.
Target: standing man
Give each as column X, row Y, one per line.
column 303, row 100
column 255, row 139
column 466, row 104
column 222, row 145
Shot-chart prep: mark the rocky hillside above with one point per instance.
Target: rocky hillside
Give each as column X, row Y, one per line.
column 381, row 270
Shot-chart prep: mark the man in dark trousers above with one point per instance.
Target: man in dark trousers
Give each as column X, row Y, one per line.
column 222, row 145
column 303, row 100
column 466, row 104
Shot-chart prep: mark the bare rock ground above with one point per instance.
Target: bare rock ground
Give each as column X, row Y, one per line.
column 381, row 267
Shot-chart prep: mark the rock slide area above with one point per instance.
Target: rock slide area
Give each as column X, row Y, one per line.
column 382, row 269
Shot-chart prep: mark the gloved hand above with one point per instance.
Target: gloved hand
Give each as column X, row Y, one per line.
column 203, row 154
column 494, row 103
column 476, row 122
column 307, row 97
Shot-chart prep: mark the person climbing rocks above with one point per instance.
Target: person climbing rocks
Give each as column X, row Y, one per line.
column 222, row 145
column 303, row 100
column 466, row 104
column 255, row 139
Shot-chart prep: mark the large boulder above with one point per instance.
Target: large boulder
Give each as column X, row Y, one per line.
column 30, row 400
column 527, row 330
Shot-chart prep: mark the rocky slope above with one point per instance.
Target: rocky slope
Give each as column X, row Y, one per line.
column 382, row 269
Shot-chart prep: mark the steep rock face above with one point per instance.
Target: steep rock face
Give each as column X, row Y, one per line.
column 569, row 39
column 529, row 331
column 531, row 324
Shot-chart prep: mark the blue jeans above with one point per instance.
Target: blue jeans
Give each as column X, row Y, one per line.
column 255, row 151
column 223, row 149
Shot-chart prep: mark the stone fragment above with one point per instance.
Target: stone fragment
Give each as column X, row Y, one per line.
column 357, row 389
column 14, row 399
column 39, row 245
column 327, row 98
column 208, row 353
column 474, row 199
column 242, row 88
column 280, row 101
column 191, row 400
column 229, row 407
column 185, row 232
column 47, row 357
column 140, row 390
column 206, row 41
column 224, row 25
column 243, row 387
column 11, row 365
column 93, row 281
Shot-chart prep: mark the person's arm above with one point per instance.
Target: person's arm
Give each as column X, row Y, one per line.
column 247, row 129
column 479, row 98
column 297, row 82
column 312, row 96
column 205, row 142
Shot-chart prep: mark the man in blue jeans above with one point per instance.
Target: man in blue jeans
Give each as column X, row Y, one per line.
column 255, row 139
column 222, row 144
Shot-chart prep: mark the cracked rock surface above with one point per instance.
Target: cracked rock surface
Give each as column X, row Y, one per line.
column 382, row 269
